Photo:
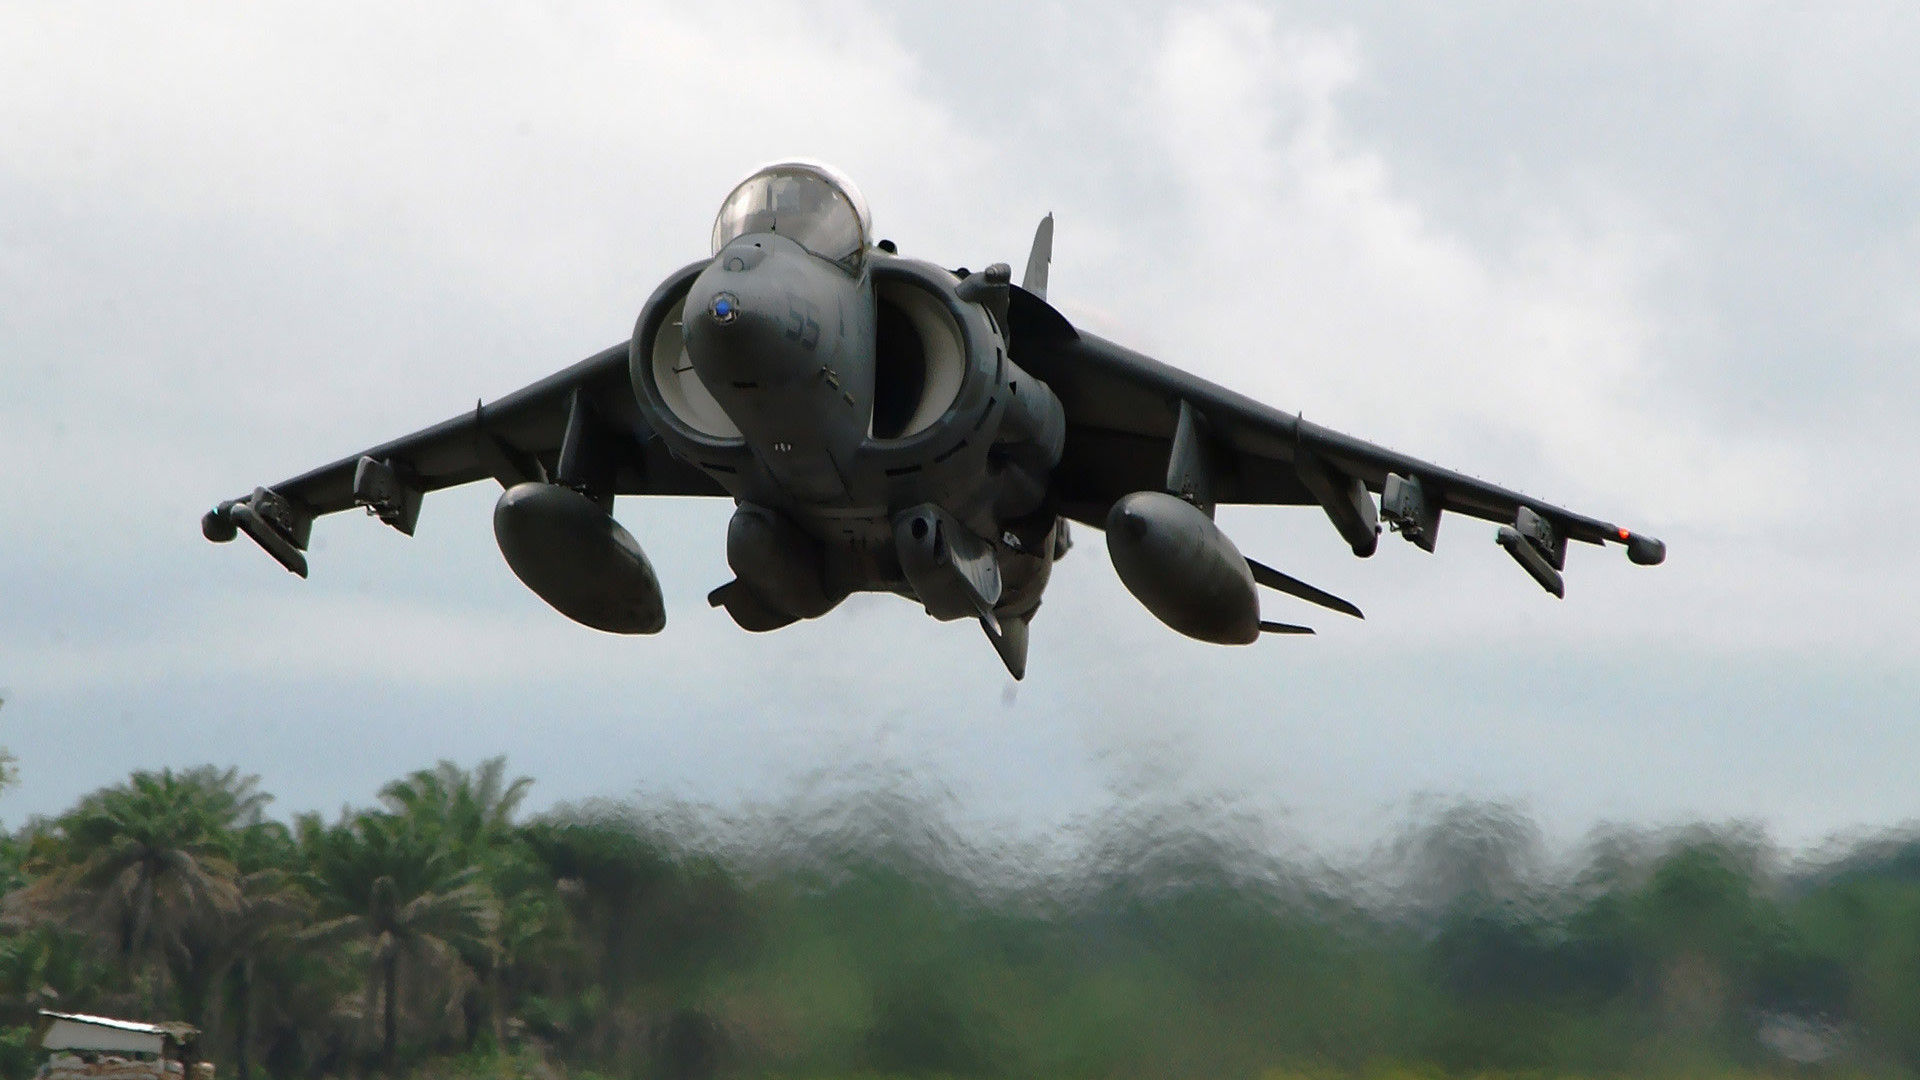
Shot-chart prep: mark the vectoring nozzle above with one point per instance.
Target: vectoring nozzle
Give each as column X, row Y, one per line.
column 953, row 571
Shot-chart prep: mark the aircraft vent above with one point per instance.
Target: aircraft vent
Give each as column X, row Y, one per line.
column 920, row 361
column 680, row 387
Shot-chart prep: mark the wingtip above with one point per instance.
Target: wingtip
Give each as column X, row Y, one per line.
column 1643, row 550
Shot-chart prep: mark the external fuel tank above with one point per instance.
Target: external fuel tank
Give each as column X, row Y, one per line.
column 1178, row 563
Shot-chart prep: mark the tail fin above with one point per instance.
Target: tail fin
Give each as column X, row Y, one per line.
column 1039, row 259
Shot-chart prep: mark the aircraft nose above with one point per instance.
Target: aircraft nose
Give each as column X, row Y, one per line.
column 754, row 316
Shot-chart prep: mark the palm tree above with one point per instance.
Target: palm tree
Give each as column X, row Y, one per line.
column 146, row 862
column 613, row 878
column 269, row 907
column 405, row 899
column 472, row 812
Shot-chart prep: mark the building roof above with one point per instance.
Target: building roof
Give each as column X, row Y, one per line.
column 79, row 1031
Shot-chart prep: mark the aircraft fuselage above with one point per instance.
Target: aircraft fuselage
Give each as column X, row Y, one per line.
column 869, row 423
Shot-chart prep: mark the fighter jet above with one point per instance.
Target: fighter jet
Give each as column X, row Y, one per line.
column 886, row 424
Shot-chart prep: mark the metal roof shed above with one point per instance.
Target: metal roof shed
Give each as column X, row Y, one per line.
column 78, row 1031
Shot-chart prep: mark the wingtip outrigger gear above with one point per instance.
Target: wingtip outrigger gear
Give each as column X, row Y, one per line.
column 1541, row 549
column 273, row 522
column 1538, row 548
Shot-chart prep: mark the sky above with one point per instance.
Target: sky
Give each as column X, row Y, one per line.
column 1659, row 263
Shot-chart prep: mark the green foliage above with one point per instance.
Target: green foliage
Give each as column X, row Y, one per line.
column 435, row 933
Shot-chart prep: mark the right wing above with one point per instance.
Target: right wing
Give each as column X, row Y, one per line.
column 1136, row 424
column 580, row 427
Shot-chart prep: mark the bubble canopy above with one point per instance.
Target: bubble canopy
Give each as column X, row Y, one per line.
column 805, row 201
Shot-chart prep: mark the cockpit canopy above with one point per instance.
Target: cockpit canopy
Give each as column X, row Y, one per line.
column 806, row 202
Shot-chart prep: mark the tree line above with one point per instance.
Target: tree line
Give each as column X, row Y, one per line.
column 438, row 931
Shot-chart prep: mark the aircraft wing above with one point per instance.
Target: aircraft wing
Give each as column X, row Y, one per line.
column 1136, row 424
column 580, row 426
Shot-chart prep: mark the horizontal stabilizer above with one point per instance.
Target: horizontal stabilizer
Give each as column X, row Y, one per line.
column 1293, row 586
column 1283, row 628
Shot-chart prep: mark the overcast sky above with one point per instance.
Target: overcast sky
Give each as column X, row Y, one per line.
column 1659, row 263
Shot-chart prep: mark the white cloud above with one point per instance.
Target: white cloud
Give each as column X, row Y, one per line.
column 236, row 241
column 1324, row 285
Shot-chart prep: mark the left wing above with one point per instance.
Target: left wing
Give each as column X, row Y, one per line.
column 580, row 427
column 1136, row 424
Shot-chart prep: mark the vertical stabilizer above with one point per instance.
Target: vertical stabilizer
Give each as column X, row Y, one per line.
column 1041, row 257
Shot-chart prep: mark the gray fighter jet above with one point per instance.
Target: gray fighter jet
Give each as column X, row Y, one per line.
column 885, row 424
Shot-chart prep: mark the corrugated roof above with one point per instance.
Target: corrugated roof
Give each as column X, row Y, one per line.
column 173, row 1029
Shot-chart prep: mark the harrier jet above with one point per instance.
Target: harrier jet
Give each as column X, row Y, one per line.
column 885, row 424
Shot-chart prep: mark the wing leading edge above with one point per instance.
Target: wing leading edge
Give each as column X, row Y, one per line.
column 1124, row 411
column 580, row 427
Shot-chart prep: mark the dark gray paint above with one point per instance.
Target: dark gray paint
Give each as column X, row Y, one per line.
column 966, row 516
column 1181, row 567
column 573, row 555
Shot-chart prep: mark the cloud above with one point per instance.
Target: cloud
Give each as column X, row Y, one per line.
column 1656, row 265
column 1324, row 281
